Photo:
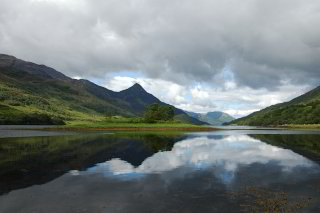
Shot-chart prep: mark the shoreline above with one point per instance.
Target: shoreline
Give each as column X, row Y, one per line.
column 134, row 129
column 301, row 126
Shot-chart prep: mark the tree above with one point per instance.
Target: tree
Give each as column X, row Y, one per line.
column 155, row 113
column 167, row 112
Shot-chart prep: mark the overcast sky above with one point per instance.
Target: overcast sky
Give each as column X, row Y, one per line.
column 199, row 55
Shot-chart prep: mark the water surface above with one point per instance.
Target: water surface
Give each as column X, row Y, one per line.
column 15, row 131
column 224, row 171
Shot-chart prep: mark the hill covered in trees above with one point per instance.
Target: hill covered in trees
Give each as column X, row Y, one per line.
column 304, row 109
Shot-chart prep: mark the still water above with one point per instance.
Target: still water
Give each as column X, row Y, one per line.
column 224, row 171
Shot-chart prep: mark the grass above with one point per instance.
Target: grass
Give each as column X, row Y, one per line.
column 108, row 124
column 119, row 123
column 29, row 99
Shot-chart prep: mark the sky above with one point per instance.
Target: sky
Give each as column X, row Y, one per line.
column 198, row 55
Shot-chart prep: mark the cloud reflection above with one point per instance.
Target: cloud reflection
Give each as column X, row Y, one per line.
column 223, row 154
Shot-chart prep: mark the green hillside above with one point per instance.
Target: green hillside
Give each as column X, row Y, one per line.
column 216, row 118
column 36, row 94
column 26, row 94
column 304, row 109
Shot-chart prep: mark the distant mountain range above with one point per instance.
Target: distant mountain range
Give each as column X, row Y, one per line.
column 304, row 109
column 27, row 88
column 216, row 118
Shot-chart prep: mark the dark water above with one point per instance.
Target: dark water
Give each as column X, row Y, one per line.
column 227, row 171
column 10, row 131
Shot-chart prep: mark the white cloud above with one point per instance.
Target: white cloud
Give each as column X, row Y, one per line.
column 240, row 113
column 260, row 42
column 248, row 54
column 198, row 93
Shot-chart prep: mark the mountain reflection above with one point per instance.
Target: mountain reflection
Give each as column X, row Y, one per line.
column 223, row 154
column 304, row 144
column 38, row 160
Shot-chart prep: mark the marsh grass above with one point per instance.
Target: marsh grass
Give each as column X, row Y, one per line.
column 258, row 199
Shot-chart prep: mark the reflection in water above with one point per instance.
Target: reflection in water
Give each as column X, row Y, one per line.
column 37, row 160
column 227, row 154
column 198, row 173
column 305, row 144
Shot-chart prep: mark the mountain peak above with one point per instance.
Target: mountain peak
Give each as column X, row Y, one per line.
column 136, row 87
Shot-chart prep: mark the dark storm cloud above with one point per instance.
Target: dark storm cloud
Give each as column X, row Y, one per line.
column 264, row 43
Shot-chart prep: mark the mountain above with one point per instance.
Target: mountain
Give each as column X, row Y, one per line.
column 304, row 109
column 138, row 99
column 216, row 118
column 29, row 91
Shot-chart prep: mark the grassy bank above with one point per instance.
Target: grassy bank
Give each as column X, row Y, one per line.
column 125, row 125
